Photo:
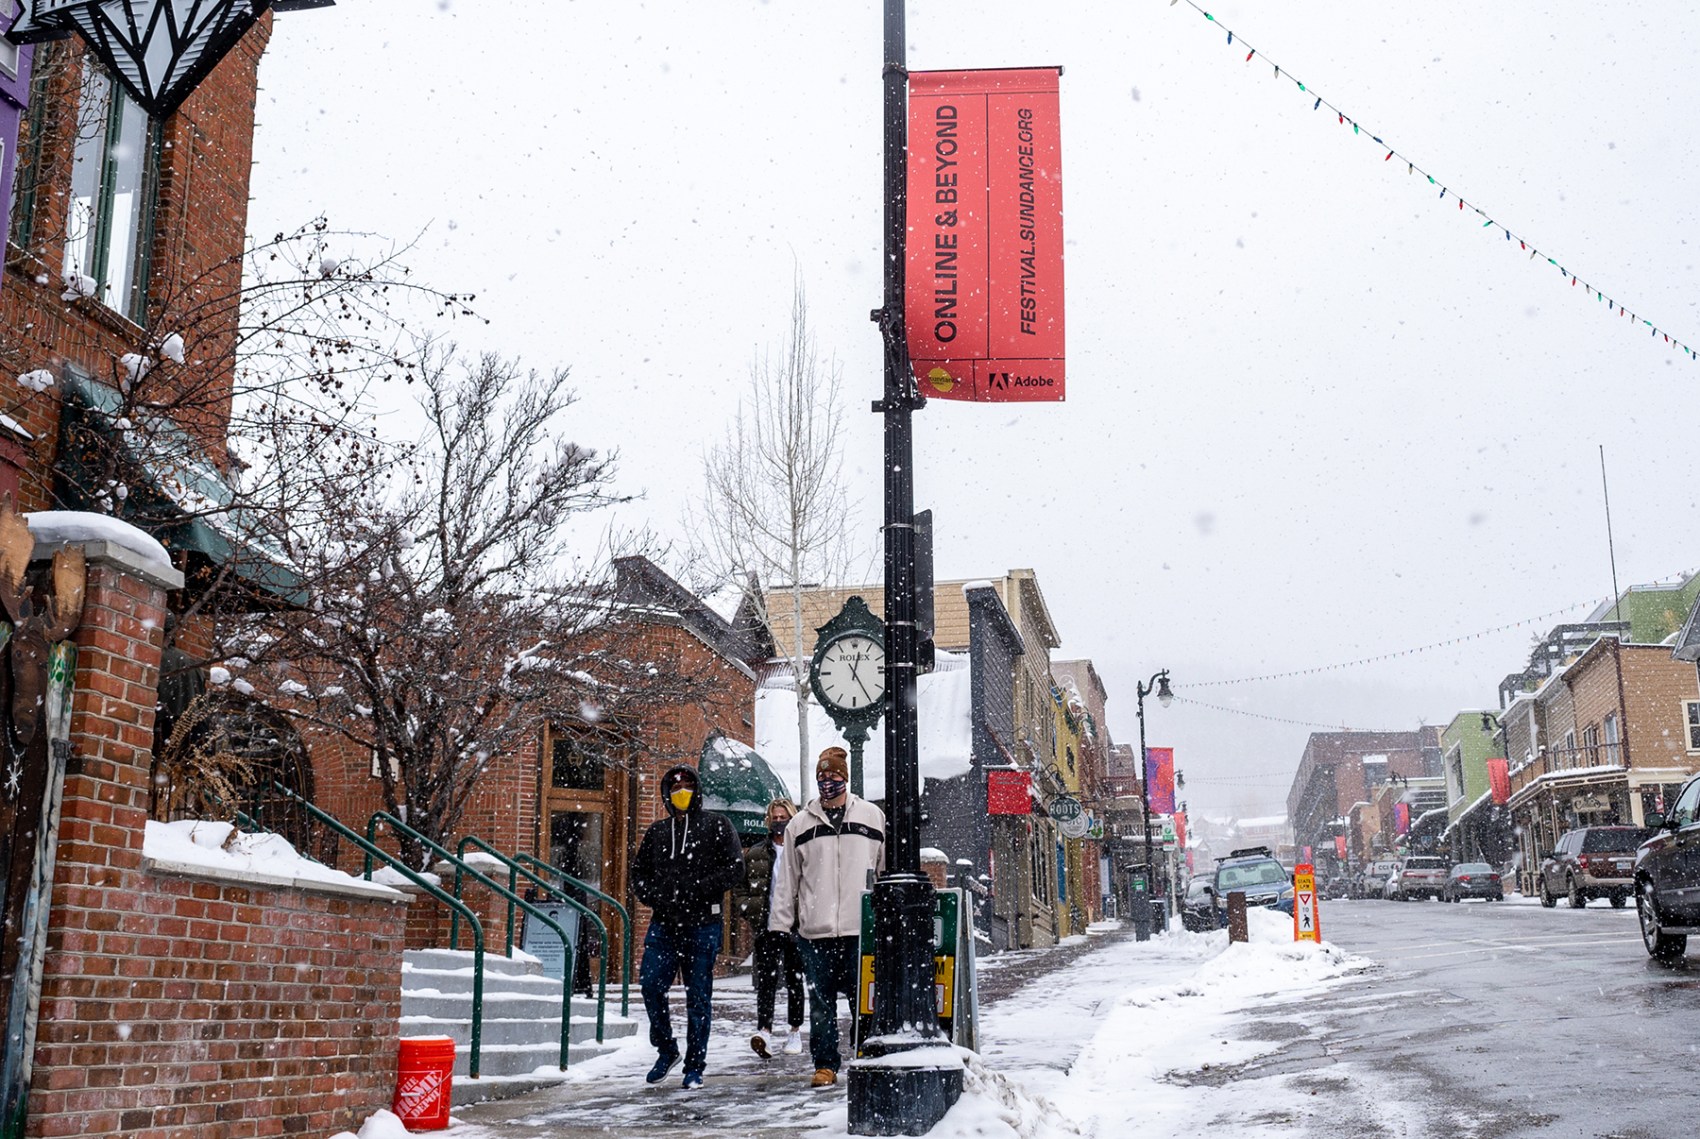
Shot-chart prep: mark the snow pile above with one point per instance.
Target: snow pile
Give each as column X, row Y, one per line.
column 992, row 1104
column 38, row 380
column 381, row 1124
column 76, row 526
column 213, row 848
column 1159, row 1041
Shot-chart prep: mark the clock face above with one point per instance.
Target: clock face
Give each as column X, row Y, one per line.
column 852, row 672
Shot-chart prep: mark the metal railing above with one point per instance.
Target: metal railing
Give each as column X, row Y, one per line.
column 372, row 850
column 570, row 882
column 513, row 899
column 514, row 871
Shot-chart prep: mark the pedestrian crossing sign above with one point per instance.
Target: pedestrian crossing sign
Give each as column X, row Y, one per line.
column 1306, row 923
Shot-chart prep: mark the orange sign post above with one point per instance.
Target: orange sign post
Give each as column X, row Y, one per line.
column 983, row 304
column 1307, row 923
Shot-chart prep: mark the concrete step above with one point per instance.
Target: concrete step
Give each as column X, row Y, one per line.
column 498, row 1004
column 457, row 960
column 523, row 1059
column 500, row 1031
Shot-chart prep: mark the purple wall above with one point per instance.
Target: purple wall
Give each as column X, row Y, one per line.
column 14, row 98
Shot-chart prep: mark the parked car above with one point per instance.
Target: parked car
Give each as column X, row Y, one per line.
column 1473, row 880
column 1667, row 877
column 1255, row 872
column 1198, row 905
column 1591, row 862
column 1373, row 881
column 1418, row 876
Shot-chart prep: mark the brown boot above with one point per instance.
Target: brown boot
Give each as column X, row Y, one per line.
column 758, row 1043
column 824, row 1078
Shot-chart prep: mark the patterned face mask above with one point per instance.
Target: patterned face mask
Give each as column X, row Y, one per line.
column 681, row 797
column 831, row 788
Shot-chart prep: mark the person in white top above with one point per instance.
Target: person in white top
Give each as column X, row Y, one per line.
column 829, row 848
column 776, row 956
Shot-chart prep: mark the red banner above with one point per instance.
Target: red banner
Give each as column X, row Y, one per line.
column 1499, row 780
column 1007, row 793
column 983, row 299
column 1401, row 818
column 1339, row 846
column 1180, row 830
column 1160, row 779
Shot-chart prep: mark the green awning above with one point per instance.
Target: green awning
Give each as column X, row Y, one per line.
column 170, row 489
column 738, row 783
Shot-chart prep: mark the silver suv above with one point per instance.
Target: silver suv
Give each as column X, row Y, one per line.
column 1419, row 876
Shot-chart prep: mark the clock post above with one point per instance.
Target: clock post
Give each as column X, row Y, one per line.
column 848, row 677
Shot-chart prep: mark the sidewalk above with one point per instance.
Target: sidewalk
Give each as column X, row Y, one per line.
column 1097, row 1038
column 744, row 1095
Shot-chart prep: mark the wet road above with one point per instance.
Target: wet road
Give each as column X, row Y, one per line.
column 1494, row 1019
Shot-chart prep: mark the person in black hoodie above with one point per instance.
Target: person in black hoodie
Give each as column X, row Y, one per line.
column 685, row 864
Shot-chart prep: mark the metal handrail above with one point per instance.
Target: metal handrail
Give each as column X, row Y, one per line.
column 372, row 850
column 514, row 870
column 625, row 921
column 461, row 866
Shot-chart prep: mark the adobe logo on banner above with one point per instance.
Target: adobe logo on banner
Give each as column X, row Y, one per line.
column 983, row 296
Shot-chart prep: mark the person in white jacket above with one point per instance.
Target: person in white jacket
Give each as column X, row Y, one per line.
column 831, row 845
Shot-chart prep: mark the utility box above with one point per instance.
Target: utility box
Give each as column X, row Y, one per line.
column 954, row 985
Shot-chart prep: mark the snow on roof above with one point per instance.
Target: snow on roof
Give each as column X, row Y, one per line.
column 945, row 728
column 1266, row 821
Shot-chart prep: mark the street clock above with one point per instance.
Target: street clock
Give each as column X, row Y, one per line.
column 847, row 677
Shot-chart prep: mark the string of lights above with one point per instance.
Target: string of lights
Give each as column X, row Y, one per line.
column 1262, row 716
column 1411, row 168
column 1450, row 641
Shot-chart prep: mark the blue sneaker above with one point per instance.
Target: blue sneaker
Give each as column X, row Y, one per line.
column 692, row 1081
column 663, row 1064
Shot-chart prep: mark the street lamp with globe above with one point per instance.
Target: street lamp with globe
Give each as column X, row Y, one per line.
column 1159, row 683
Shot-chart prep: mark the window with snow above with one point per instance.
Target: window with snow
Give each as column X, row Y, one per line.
column 1691, row 714
column 111, row 205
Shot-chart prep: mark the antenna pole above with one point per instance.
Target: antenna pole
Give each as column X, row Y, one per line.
column 1616, row 597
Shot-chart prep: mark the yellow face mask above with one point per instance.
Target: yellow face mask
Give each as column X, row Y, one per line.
column 681, row 798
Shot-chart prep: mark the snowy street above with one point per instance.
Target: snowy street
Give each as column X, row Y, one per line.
column 1416, row 1020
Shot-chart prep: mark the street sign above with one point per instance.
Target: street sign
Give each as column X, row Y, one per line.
column 1065, row 808
column 1307, row 925
column 1077, row 827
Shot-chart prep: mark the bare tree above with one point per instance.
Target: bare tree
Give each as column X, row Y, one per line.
column 774, row 507
column 447, row 614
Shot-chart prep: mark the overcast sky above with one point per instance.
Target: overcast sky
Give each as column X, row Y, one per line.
column 1316, row 412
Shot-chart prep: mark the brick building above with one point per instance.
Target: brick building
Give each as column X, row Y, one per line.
column 1340, row 769
column 1611, row 747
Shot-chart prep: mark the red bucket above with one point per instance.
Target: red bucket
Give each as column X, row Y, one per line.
column 422, row 1085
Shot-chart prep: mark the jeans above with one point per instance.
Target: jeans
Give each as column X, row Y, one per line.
column 776, row 956
column 832, row 965
column 668, row 952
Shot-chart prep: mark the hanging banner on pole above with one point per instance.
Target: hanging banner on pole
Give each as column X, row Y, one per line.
column 983, row 303
column 1160, row 779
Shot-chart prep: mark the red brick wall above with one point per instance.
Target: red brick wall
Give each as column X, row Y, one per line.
column 190, row 1007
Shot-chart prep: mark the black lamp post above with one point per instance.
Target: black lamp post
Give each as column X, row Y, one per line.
column 1159, row 683
column 906, row 1099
